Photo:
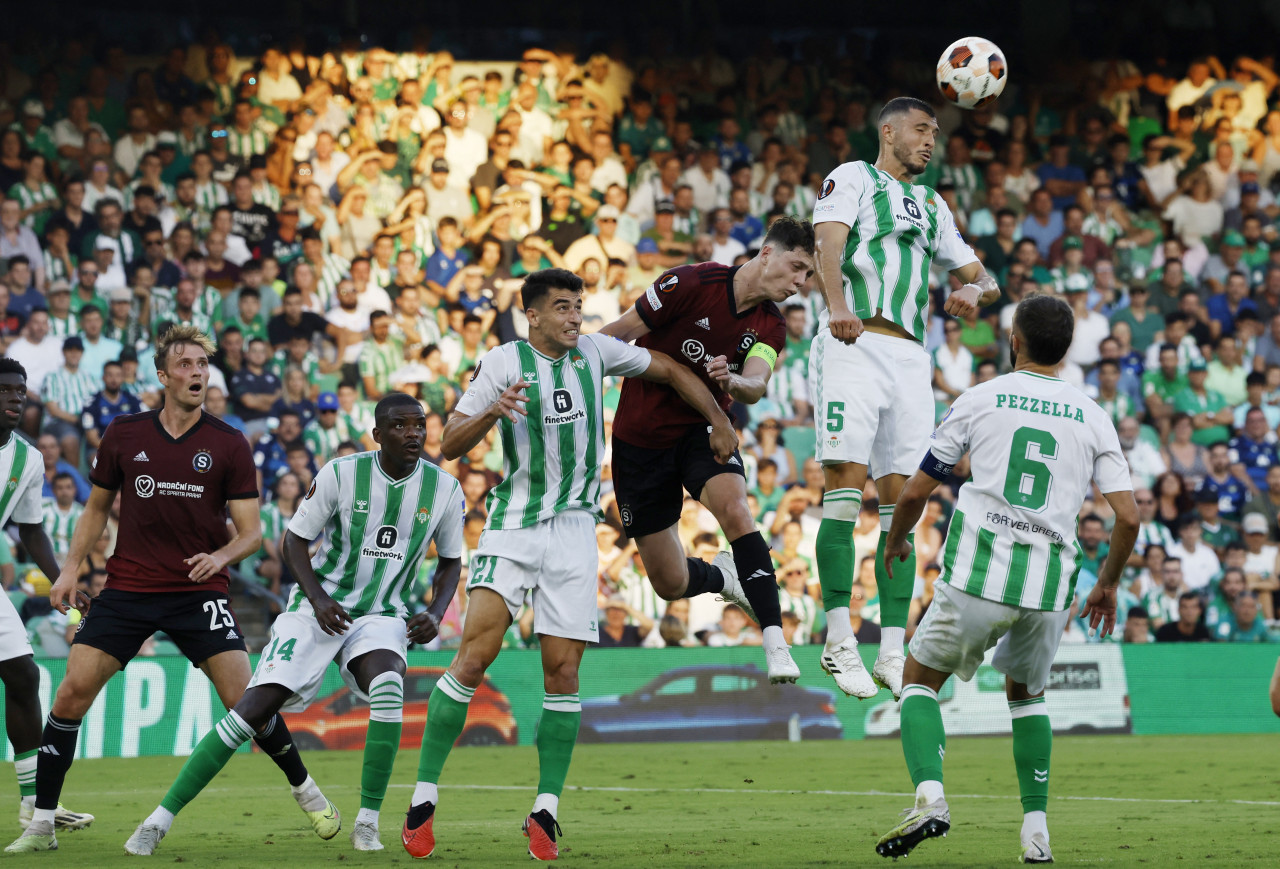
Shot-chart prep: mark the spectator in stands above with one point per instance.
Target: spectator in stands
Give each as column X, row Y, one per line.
column 1261, row 570
column 1253, row 451
column 1199, row 562
column 1210, row 416
column 1137, row 626
column 1226, row 480
column 1219, row 611
column 1145, row 463
column 1188, row 627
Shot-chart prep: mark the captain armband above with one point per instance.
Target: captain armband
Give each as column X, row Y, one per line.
column 763, row 351
column 935, row 467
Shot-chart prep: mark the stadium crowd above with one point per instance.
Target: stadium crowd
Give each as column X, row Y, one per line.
column 359, row 222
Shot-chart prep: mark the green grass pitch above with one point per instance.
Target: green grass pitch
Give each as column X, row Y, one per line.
column 1116, row 801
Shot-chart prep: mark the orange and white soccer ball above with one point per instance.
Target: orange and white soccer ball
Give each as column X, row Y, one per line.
column 972, row 72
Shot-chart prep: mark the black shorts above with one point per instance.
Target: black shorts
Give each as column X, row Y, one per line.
column 200, row 623
column 650, row 484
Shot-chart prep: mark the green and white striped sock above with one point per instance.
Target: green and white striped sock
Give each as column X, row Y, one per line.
column 382, row 742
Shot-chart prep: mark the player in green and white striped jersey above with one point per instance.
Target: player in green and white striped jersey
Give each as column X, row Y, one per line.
column 22, row 466
column 1037, row 446
column 546, row 397
column 376, row 514
column 878, row 234
column 61, row 514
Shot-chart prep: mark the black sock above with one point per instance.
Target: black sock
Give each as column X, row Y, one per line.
column 755, row 572
column 703, row 578
column 57, row 751
column 277, row 742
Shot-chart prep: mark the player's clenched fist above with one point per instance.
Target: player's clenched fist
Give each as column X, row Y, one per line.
column 844, row 326
column 964, row 301
column 723, row 440
column 718, row 370
column 511, row 401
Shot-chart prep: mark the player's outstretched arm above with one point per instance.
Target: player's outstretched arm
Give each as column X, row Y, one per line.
column 979, row 290
column 663, row 369
column 333, row 619
column 1100, row 607
column 627, row 328
column 463, row 432
column 90, row 527
column 915, row 494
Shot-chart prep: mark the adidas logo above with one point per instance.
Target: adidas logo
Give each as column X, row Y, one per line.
column 733, row 460
column 141, row 457
column 705, row 323
column 232, row 635
column 757, row 575
column 49, row 749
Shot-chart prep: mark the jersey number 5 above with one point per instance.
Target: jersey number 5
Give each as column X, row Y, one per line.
column 1028, row 481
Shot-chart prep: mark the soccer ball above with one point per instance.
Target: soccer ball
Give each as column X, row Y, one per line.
column 972, row 72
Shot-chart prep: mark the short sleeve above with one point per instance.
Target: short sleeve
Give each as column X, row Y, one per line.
column 30, row 508
column 318, row 506
column 488, row 382
column 105, row 471
column 240, row 480
column 840, row 195
column 668, row 296
column 448, row 535
column 618, row 357
column 950, row 440
column 1110, row 470
column 953, row 251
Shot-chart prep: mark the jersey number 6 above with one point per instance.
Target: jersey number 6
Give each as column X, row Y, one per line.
column 1028, row 481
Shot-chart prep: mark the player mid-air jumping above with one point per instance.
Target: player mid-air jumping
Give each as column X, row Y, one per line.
column 877, row 236
column 724, row 324
column 1009, row 567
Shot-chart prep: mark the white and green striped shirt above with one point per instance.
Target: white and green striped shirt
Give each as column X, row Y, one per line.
column 210, row 195
column 55, row 268
column 1035, row 444
column 551, row 458
column 380, row 360
column 323, row 442
column 165, row 190
column 268, row 195
column 896, row 232
column 61, row 327
column 27, row 197
column 70, row 389
column 359, row 421
column 331, row 270
column 376, row 531
column 61, row 526
column 22, row 469
column 246, row 145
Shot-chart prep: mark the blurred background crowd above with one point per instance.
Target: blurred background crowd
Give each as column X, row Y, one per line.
column 351, row 216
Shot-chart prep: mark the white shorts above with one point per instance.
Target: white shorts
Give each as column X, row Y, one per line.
column 300, row 652
column 872, row 402
column 556, row 560
column 13, row 633
column 959, row 628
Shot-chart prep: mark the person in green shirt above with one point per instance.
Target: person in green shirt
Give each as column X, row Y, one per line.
column 1246, row 626
column 248, row 319
column 1115, row 402
column 1227, row 373
column 767, row 491
column 1160, row 386
column 1217, row 532
column 1209, row 412
column 1094, row 546
column 1144, row 321
column 978, row 336
column 380, row 357
column 1219, row 614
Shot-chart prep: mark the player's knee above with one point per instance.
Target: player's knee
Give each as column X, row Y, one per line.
column 469, row 668
column 73, row 699
column 1275, row 699
column 20, row 676
column 561, row 677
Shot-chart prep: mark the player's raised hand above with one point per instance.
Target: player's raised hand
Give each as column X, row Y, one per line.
column 204, row 565
column 718, row 370
column 844, row 326
column 1100, row 609
column 512, row 401
column 330, row 615
column 964, row 301
column 423, row 628
column 724, row 440
column 898, row 553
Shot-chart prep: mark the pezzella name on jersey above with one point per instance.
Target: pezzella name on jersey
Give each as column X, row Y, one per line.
column 1040, row 406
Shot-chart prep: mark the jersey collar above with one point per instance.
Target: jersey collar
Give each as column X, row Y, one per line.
column 1040, row 376
column 733, row 303
column 186, row 434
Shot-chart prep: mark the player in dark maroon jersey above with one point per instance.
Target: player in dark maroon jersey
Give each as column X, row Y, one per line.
column 180, row 472
column 723, row 322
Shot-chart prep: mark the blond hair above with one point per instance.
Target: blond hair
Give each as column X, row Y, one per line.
column 179, row 337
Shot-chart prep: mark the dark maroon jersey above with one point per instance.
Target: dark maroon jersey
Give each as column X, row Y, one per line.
column 692, row 317
column 173, row 497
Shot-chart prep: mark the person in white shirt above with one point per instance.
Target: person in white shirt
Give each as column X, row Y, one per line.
column 138, row 141
column 1091, row 327
column 327, row 162
column 710, row 183
column 444, row 198
column 40, row 353
column 725, row 248
column 1199, row 562
column 352, row 322
column 69, row 133
column 276, row 84
column 535, row 124
column 465, row 149
column 1198, row 82
column 602, row 247
column 609, row 169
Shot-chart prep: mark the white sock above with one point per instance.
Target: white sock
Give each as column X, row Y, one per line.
column 308, row 796
column 367, row 816
column 838, row 627
column 546, row 801
column 43, row 815
column 29, row 801
column 928, row 792
column 425, row 792
column 773, row 638
column 161, row 817
column 891, row 640
column 1035, row 822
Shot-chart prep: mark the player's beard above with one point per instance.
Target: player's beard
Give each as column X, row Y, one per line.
column 909, row 160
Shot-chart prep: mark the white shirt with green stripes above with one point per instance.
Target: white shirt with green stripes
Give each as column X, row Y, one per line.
column 896, row 232
column 376, row 531
column 551, row 457
column 1035, row 444
column 22, row 470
